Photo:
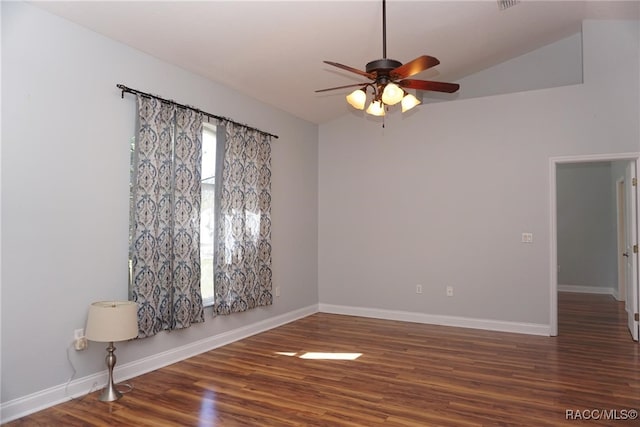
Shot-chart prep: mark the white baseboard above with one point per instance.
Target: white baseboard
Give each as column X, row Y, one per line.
column 434, row 319
column 29, row 404
column 616, row 294
column 602, row 290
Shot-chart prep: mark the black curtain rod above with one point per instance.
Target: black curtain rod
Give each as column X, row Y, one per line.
column 124, row 89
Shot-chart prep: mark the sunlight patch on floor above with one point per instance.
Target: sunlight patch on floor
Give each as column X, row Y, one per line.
column 321, row 356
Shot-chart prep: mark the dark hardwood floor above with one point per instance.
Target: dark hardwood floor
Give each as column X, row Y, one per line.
column 409, row 374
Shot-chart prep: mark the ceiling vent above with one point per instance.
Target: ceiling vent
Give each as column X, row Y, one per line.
column 505, row 4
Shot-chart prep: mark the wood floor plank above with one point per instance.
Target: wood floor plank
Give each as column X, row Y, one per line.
column 408, row 375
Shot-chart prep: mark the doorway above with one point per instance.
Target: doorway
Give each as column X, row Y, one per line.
column 628, row 199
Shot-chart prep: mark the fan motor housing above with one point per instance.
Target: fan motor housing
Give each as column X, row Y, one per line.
column 382, row 66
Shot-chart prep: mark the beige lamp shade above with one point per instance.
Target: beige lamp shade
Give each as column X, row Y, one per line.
column 409, row 101
column 357, row 99
column 392, row 94
column 112, row 321
column 376, row 108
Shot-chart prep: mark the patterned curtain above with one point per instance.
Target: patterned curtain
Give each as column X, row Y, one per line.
column 243, row 220
column 165, row 217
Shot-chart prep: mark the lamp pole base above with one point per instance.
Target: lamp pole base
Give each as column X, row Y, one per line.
column 110, row 393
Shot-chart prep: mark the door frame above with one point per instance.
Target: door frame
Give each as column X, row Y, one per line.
column 553, row 223
column 621, row 232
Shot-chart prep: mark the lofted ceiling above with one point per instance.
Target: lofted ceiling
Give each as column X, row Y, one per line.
column 273, row 50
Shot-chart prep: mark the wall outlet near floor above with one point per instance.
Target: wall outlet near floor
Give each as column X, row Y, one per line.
column 277, row 291
column 418, row 289
column 449, row 291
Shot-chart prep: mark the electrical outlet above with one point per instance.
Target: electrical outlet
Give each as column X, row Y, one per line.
column 81, row 344
column 418, row 289
column 277, row 291
column 527, row 238
column 449, row 291
column 79, row 340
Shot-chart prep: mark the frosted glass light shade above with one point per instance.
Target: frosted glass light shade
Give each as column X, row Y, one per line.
column 376, row 108
column 112, row 321
column 409, row 101
column 357, row 99
column 392, row 94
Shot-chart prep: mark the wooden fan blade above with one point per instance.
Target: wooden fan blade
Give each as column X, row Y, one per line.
column 342, row 87
column 419, row 64
column 429, row 85
column 353, row 70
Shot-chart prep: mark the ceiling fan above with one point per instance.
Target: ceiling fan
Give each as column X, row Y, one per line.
column 389, row 79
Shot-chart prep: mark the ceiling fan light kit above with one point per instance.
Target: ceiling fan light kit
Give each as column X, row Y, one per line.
column 389, row 79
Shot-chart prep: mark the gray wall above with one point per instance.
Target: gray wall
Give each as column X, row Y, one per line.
column 557, row 64
column 441, row 196
column 65, row 178
column 586, row 225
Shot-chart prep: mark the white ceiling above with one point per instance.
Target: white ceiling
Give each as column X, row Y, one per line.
column 273, row 50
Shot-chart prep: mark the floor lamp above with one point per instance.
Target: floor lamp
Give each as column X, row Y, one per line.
column 111, row 321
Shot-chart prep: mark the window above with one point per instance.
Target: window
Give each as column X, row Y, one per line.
column 132, row 148
column 207, row 212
